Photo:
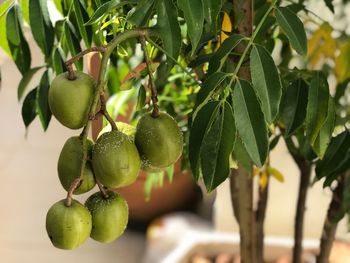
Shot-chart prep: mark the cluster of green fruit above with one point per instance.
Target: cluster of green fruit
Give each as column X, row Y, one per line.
column 114, row 161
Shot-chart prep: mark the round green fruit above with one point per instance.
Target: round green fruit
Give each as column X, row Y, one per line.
column 70, row 100
column 122, row 127
column 115, row 160
column 158, row 140
column 109, row 216
column 68, row 227
column 69, row 164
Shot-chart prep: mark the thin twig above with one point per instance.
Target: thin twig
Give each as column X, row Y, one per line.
column 105, row 112
column 70, row 62
column 102, row 189
column 155, row 112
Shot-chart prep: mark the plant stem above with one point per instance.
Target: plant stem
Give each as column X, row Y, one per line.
column 252, row 38
column 105, row 112
column 102, row 190
column 244, row 178
column 100, row 86
column 69, row 63
column 330, row 224
column 305, row 174
column 155, row 112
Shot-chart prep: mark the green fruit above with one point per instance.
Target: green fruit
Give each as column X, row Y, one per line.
column 109, row 216
column 69, row 164
column 158, row 140
column 122, row 127
column 70, row 100
column 115, row 160
column 68, row 227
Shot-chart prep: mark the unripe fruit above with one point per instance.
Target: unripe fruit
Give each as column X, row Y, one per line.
column 109, row 216
column 70, row 100
column 158, row 140
column 69, row 164
column 122, row 127
column 68, row 227
column 115, row 160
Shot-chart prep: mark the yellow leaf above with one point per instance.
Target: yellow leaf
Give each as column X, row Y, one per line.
column 342, row 63
column 321, row 45
column 226, row 27
column 276, row 174
column 263, row 180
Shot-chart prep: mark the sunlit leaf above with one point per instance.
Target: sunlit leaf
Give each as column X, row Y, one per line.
column 294, row 29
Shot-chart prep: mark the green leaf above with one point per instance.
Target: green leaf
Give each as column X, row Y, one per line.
column 169, row 29
column 25, row 10
column 201, row 123
column 266, row 81
column 4, row 7
column 294, row 29
column 336, row 159
column 18, row 45
column 141, row 98
column 241, row 155
column 29, row 108
column 58, row 4
column 217, row 146
column 82, row 17
column 25, row 81
column 107, row 8
column 41, row 25
column 218, row 59
column 211, row 11
column 58, row 59
column 42, row 95
column 72, row 43
column 194, row 17
column 329, row 4
column 321, row 143
column 317, row 106
column 294, row 105
column 250, row 122
column 141, row 13
column 208, row 87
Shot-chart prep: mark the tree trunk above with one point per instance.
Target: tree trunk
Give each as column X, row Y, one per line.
column 243, row 181
column 260, row 219
column 330, row 224
column 305, row 174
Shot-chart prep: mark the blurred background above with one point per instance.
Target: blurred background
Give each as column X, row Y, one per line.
column 29, row 186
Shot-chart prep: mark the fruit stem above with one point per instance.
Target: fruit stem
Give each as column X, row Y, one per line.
column 151, row 85
column 105, row 112
column 100, row 86
column 102, row 189
column 69, row 63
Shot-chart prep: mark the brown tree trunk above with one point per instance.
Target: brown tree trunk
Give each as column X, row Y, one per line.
column 305, row 174
column 260, row 219
column 330, row 224
column 244, row 180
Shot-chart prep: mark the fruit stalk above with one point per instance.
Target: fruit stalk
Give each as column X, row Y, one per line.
column 70, row 62
column 100, row 86
column 105, row 112
column 155, row 112
column 102, row 190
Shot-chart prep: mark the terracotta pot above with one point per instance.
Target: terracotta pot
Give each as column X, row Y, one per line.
column 181, row 194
